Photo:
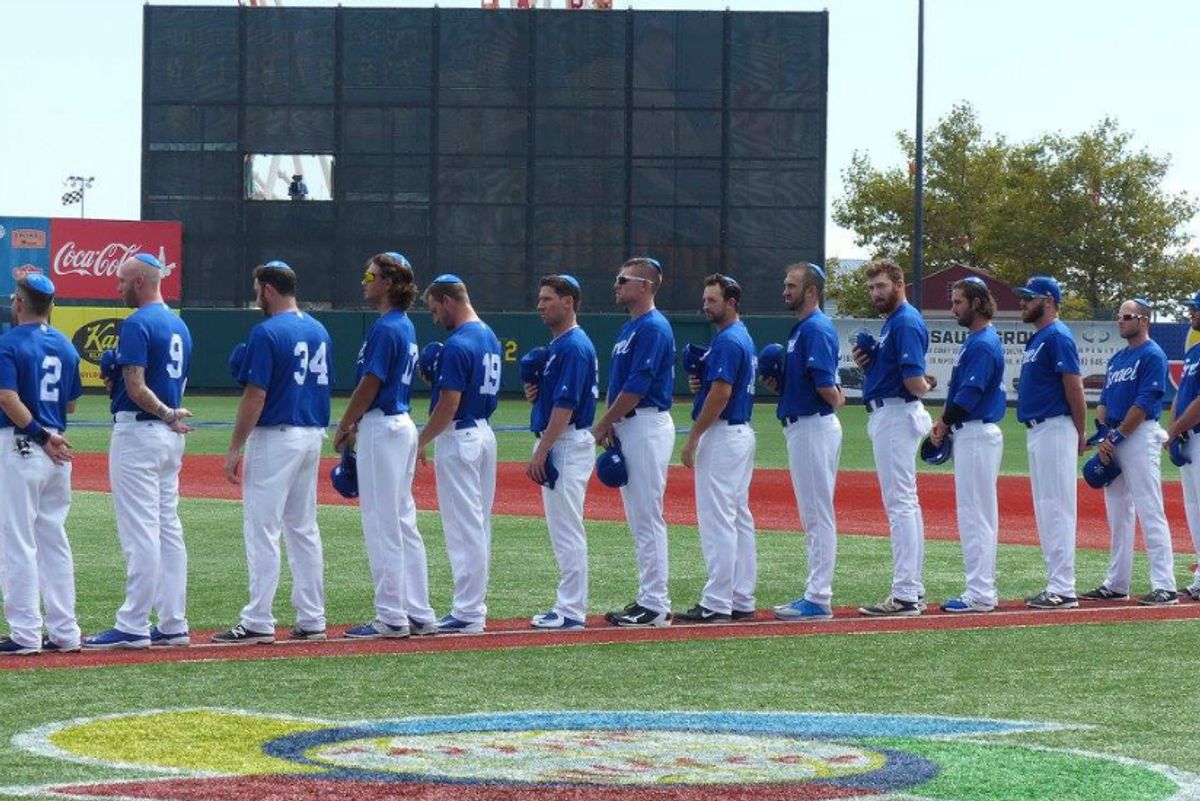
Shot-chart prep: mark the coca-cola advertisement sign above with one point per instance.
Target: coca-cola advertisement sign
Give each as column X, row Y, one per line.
column 85, row 255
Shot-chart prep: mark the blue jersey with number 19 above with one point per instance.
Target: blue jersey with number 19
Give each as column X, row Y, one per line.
column 291, row 357
column 41, row 366
column 157, row 340
column 470, row 364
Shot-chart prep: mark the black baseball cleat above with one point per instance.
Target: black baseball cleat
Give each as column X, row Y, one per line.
column 1159, row 597
column 315, row 635
column 49, row 646
column 739, row 615
column 240, row 635
column 1103, row 593
column 702, row 614
column 1052, row 600
column 630, row 608
column 643, row 618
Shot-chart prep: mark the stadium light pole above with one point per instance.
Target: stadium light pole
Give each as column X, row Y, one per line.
column 77, row 183
column 919, row 171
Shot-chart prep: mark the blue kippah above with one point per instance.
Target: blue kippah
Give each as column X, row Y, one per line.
column 39, row 283
column 1144, row 302
column 146, row 258
column 974, row 279
column 816, row 268
column 572, row 280
column 276, row 264
column 396, row 256
column 652, row 262
column 447, row 278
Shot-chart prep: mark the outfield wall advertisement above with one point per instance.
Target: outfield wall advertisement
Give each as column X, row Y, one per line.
column 82, row 256
column 92, row 330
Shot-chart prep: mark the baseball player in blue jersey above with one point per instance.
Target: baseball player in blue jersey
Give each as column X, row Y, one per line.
column 464, row 398
column 1050, row 403
column 640, row 382
column 564, row 407
column 281, row 422
column 721, row 448
column 154, row 353
column 975, row 402
column 1129, row 408
column 377, row 417
column 809, row 396
column 895, row 382
column 39, row 382
column 1185, row 426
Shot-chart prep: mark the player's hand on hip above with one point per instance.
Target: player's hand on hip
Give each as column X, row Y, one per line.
column 531, row 392
column 233, row 465
column 58, row 449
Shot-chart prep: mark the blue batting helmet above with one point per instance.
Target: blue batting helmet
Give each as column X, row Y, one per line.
column 533, row 364
column 108, row 365
column 431, row 355
column 1098, row 474
column 236, row 357
column 344, row 475
column 693, row 359
column 937, row 454
column 551, row 472
column 1178, row 457
column 610, row 467
column 770, row 361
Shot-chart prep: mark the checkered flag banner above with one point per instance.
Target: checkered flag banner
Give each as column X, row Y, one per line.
column 74, row 196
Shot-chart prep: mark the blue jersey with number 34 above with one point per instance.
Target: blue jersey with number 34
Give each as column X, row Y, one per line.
column 42, row 367
column 157, row 340
column 290, row 356
column 470, row 364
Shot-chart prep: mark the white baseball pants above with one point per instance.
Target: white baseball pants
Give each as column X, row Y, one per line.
column 279, row 493
column 723, row 469
column 144, row 459
column 1137, row 494
column 387, row 461
column 574, row 455
column 1189, row 475
column 978, row 448
column 35, row 556
column 647, row 440
column 1053, row 455
column 814, row 445
column 896, row 431
column 465, row 469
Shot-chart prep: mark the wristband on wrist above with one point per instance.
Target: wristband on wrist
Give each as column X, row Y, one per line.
column 36, row 433
column 1116, row 437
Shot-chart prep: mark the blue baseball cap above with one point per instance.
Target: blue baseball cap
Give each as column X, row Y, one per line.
column 39, row 283
column 147, row 258
column 447, row 278
column 1193, row 302
column 1041, row 286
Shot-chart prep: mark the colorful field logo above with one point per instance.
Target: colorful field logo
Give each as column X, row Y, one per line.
column 230, row 755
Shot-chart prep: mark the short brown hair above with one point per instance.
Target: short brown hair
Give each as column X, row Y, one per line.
column 976, row 289
column 440, row 290
column 885, row 265
column 811, row 278
column 38, row 302
column 404, row 284
column 647, row 268
column 278, row 275
column 563, row 288
column 730, row 289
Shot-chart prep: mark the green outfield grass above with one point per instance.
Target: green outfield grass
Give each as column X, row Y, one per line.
column 516, row 445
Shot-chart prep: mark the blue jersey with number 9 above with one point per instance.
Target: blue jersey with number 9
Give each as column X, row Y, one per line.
column 291, row 357
column 42, row 367
column 470, row 364
column 157, row 340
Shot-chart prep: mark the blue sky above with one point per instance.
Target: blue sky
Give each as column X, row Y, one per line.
column 72, row 77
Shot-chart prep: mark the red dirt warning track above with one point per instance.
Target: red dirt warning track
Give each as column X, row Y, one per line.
column 859, row 508
column 506, row 634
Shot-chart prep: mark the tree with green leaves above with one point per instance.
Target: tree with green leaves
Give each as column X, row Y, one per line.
column 1089, row 209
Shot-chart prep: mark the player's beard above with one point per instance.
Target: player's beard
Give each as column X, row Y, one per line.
column 1034, row 317
column 1196, row 323
column 889, row 305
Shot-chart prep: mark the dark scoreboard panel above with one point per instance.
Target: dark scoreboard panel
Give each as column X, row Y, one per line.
column 500, row 145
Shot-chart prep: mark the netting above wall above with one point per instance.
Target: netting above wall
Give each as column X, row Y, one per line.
column 501, row 145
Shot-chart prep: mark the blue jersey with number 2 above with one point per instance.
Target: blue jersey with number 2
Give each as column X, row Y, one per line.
column 41, row 366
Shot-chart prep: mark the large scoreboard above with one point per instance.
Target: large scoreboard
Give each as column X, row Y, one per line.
column 497, row 144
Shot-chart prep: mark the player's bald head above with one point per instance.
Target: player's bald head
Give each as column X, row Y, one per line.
column 133, row 268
